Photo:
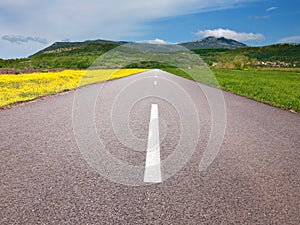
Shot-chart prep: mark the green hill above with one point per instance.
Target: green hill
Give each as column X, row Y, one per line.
column 63, row 55
column 82, row 47
column 279, row 52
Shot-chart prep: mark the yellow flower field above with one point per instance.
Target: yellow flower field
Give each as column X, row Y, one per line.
column 25, row 87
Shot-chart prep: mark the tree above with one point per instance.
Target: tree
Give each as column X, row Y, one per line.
column 241, row 61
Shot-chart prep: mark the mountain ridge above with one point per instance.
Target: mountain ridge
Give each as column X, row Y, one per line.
column 213, row 43
column 68, row 44
column 205, row 43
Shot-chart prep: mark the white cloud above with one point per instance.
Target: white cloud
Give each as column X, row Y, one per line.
column 19, row 39
column 91, row 19
column 156, row 41
column 230, row 34
column 293, row 39
column 271, row 9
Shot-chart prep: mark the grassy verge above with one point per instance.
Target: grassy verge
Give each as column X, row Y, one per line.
column 25, row 87
column 276, row 87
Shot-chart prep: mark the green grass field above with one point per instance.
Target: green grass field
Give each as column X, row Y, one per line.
column 277, row 88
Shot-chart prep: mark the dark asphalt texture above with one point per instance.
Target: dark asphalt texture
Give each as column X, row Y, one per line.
column 44, row 179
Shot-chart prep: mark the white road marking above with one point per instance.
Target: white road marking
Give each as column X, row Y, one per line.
column 155, row 82
column 152, row 169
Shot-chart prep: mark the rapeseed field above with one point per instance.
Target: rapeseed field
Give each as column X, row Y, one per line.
column 25, row 87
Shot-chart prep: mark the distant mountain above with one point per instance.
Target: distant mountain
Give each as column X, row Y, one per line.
column 213, row 43
column 58, row 47
column 96, row 45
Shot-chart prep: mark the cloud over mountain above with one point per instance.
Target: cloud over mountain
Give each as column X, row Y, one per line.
column 230, row 34
column 157, row 41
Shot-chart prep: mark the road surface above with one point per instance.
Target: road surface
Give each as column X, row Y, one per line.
column 80, row 157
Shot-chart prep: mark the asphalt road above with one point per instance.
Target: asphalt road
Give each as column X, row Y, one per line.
column 79, row 157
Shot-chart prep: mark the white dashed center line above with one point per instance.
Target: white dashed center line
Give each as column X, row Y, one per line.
column 152, row 168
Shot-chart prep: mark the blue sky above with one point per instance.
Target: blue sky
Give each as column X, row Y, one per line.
column 30, row 25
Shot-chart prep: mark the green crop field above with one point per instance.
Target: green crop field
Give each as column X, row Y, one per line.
column 279, row 88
